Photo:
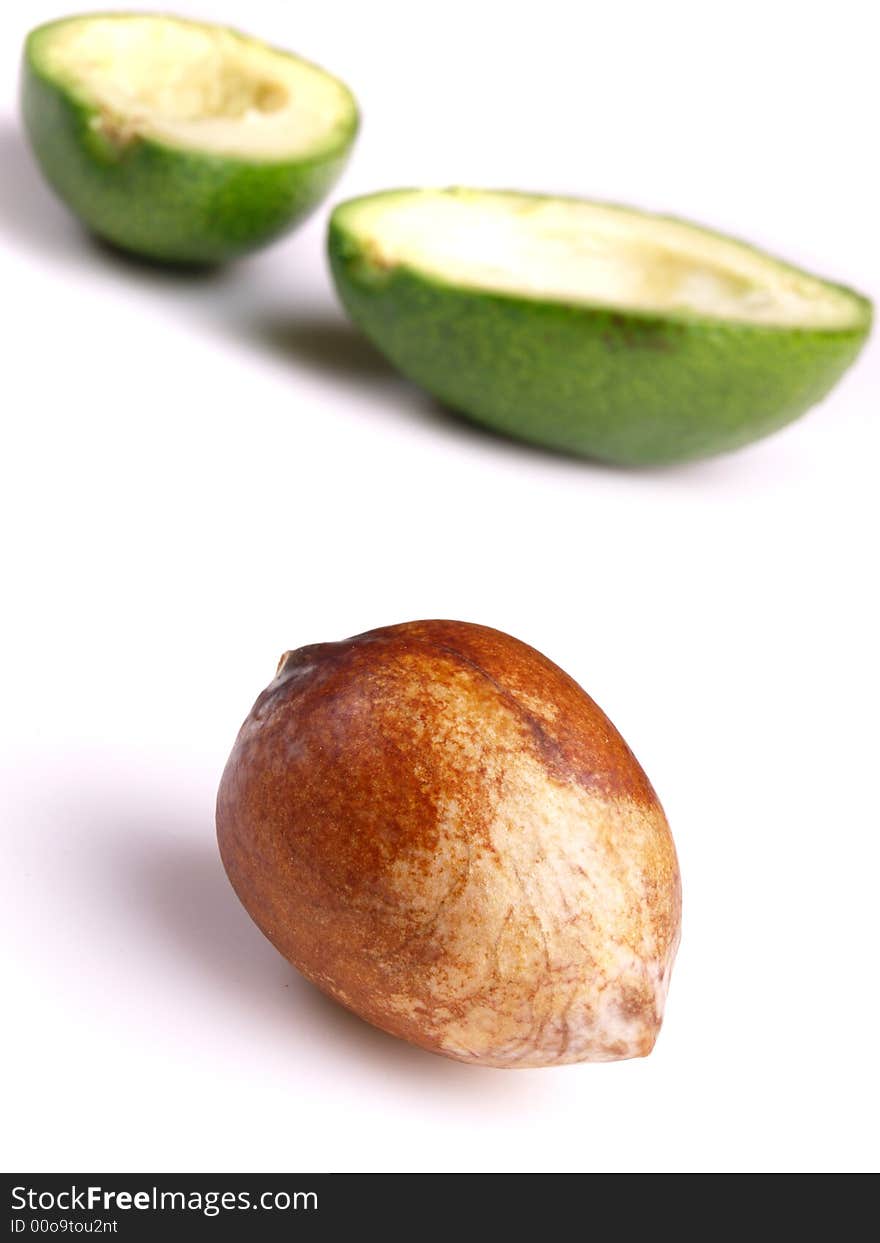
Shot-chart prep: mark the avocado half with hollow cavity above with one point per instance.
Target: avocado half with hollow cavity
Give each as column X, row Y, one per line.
column 180, row 141
column 589, row 328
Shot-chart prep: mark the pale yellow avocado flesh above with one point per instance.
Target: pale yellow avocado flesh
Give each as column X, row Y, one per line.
column 573, row 251
column 199, row 87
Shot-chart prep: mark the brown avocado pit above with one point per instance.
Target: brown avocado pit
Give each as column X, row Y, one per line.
column 440, row 829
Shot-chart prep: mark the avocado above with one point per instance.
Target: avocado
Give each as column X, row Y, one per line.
column 589, row 328
column 180, row 141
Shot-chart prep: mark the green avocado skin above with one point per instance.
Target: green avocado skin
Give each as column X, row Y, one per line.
column 626, row 388
column 163, row 202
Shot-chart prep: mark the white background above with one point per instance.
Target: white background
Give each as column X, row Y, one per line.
column 198, row 473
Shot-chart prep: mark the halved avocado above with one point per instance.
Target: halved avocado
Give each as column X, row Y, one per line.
column 181, row 141
column 589, row 328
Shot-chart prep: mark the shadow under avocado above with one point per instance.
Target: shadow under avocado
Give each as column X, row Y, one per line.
column 176, row 887
column 332, row 346
column 319, row 340
column 154, row 269
column 326, row 344
column 29, row 211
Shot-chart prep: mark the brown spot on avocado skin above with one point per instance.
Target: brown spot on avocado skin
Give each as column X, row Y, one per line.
column 443, row 831
column 626, row 332
column 121, row 133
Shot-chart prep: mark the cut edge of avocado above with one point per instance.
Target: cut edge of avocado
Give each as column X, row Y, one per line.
column 194, row 87
column 598, row 256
